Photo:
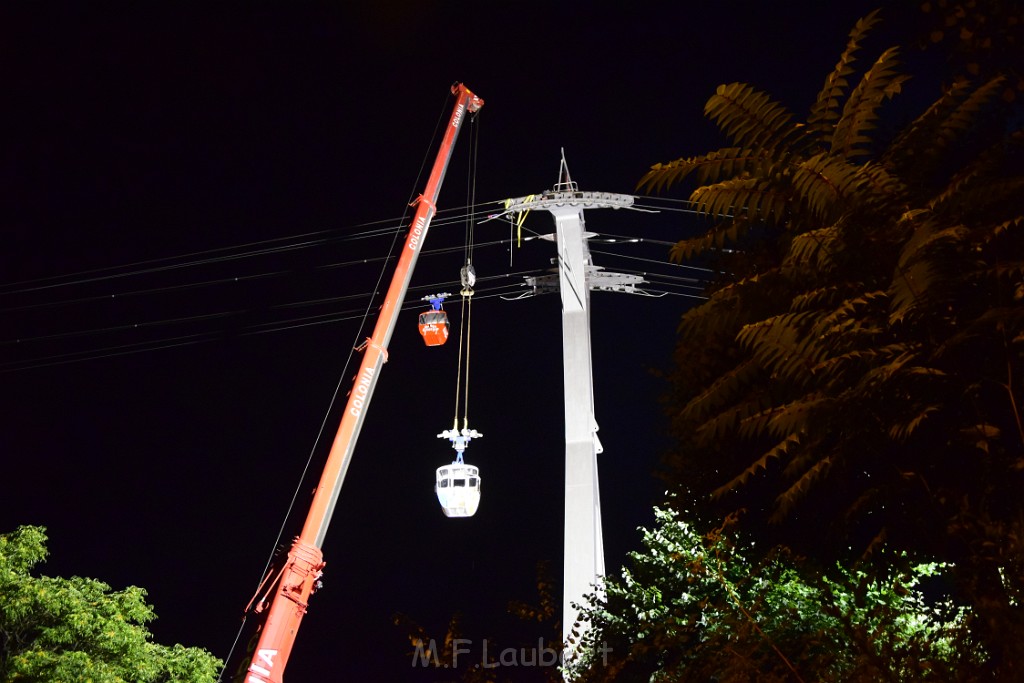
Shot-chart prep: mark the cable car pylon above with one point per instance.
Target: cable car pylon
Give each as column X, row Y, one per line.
column 583, row 544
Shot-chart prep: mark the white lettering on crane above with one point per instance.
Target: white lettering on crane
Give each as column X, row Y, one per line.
column 416, row 234
column 361, row 389
column 267, row 657
column 458, row 116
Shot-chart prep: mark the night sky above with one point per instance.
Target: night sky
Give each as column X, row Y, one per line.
column 163, row 384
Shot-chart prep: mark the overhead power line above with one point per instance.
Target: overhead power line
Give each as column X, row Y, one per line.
column 146, row 287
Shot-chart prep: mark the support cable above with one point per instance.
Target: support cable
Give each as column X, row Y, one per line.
column 467, row 276
column 458, row 370
column 469, row 323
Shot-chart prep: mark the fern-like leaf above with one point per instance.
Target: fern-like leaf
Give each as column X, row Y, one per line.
column 861, row 111
column 826, row 185
column 780, row 449
column 726, row 423
column 796, row 417
column 861, row 357
column 1007, row 318
column 847, row 310
column 723, row 163
column 733, row 306
column 811, row 250
column 752, row 197
column 819, row 298
column 964, row 117
column 920, row 266
column 725, row 390
column 825, row 111
column 796, row 492
column 750, row 117
column 878, row 188
column 980, row 191
column 1006, row 229
column 783, row 346
column 717, row 237
column 917, row 141
column 903, row 429
column 880, row 375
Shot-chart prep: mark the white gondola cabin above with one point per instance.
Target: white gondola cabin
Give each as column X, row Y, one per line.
column 458, row 489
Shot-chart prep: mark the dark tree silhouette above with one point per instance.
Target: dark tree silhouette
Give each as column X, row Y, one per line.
column 855, row 383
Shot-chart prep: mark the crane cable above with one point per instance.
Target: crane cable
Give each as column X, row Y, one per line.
column 467, row 277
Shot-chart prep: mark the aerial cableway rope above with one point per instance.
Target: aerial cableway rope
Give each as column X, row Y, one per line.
column 201, row 337
column 195, row 328
column 283, row 244
column 277, row 245
column 25, row 341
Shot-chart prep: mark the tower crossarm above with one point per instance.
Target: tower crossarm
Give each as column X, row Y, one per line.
column 597, row 279
column 553, row 199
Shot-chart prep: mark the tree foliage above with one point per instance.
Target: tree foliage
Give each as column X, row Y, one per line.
column 79, row 630
column 698, row 607
column 855, row 382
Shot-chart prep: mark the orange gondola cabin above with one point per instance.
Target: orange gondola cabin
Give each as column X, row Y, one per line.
column 434, row 323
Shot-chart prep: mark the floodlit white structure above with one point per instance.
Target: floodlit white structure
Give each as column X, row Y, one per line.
column 583, row 546
column 458, row 485
column 458, row 489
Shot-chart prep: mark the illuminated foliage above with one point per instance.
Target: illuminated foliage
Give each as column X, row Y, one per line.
column 697, row 607
column 78, row 630
column 855, row 382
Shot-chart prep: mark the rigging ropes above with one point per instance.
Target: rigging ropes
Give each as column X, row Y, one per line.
column 467, row 277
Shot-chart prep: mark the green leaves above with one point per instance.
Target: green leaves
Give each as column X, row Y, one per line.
column 79, row 629
column 692, row 606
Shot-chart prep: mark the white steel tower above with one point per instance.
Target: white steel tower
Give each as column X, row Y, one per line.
column 583, row 550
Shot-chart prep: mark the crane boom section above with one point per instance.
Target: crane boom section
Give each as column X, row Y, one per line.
column 304, row 564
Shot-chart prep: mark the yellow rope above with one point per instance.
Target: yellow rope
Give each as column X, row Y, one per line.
column 469, row 323
column 458, row 373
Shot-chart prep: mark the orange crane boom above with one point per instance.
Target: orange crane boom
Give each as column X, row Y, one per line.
column 293, row 584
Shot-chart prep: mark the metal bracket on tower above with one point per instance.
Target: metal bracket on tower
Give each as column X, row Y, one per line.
column 597, row 280
column 560, row 198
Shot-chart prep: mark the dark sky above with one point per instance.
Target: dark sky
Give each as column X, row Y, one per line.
column 135, row 137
